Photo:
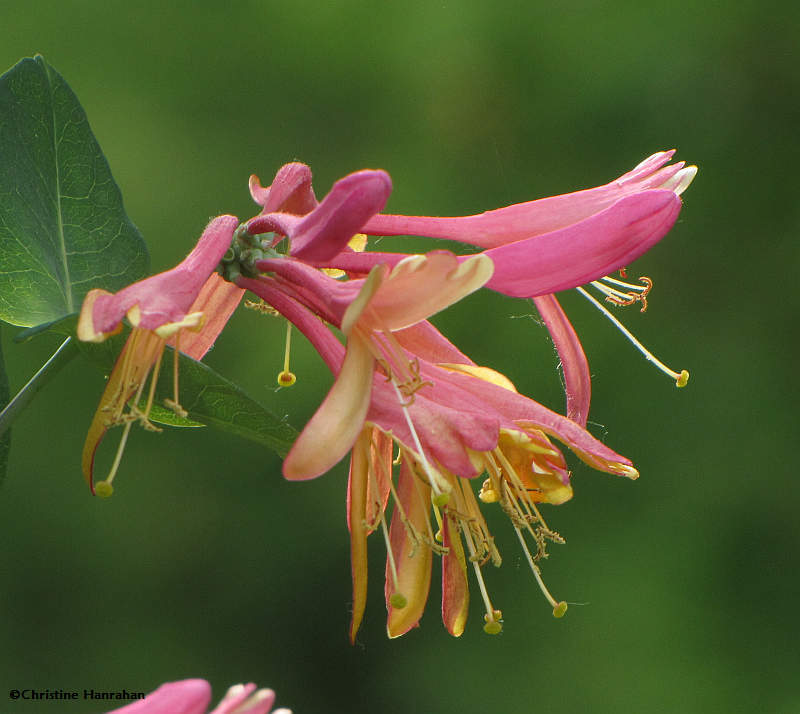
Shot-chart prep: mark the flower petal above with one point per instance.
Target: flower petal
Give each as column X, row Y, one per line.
column 577, row 378
column 544, row 215
column 334, row 427
column 244, row 699
column 290, row 191
column 217, row 301
column 357, row 524
column 139, row 354
column 413, row 560
column 455, row 589
column 163, row 298
column 326, row 231
column 189, row 696
column 416, row 288
column 584, row 251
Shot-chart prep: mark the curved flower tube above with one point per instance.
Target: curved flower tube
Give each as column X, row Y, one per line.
column 186, row 306
column 551, row 244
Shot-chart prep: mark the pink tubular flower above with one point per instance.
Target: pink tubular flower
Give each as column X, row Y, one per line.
column 541, row 247
column 192, row 696
column 399, row 381
column 187, row 307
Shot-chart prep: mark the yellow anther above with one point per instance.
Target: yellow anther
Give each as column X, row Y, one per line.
column 492, row 627
column 441, row 499
column 398, row 601
column 683, row 378
column 560, row 610
column 286, row 379
column 487, row 493
column 103, row 489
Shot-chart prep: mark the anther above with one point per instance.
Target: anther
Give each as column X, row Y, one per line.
column 441, row 499
column 398, row 600
column 494, row 624
column 286, row 379
column 683, row 378
column 560, row 610
column 487, row 493
column 491, row 622
column 103, row 489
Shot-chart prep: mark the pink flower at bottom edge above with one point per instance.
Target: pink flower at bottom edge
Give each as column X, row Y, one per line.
column 192, row 696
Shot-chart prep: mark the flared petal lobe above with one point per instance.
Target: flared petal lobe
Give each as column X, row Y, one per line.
column 324, row 232
column 330, row 433
column 290, row 191
column 162, row 300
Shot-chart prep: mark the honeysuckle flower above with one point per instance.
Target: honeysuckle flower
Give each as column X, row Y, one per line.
column 398, row 381
column 367, row 311
column 186, row 306
column 192, row 696
column 551, row 244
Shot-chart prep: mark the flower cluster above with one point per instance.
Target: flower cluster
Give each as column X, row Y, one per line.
column 421, row 421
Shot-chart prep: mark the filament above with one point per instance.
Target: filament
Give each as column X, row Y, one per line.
column 440, row 497
column 559, row 608
column 681, row 378
column 287, row 378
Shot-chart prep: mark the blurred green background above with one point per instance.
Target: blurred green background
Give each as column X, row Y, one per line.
column 207, row 564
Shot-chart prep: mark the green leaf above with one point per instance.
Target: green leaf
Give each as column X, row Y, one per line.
column 208, row 397
column 211, row 399
column 5, row 397
column 63, row 227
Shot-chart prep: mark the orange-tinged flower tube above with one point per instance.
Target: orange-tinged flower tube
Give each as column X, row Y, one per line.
column 187, row 307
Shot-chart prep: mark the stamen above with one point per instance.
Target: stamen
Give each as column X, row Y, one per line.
column 105, row 488
column 492, row 626
column 262, row 307
column 153, row 381
column 440, row 497
column 633, row 293
column 479, row 526
column 407, row 369
column 559, row 608
column 397, row 600
column 681, row 378
column 174, row 403
column 287, row 378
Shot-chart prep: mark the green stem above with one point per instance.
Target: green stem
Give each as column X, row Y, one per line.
column 49, row 369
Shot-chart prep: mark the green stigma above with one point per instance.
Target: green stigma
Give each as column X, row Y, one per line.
column 103, row 489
